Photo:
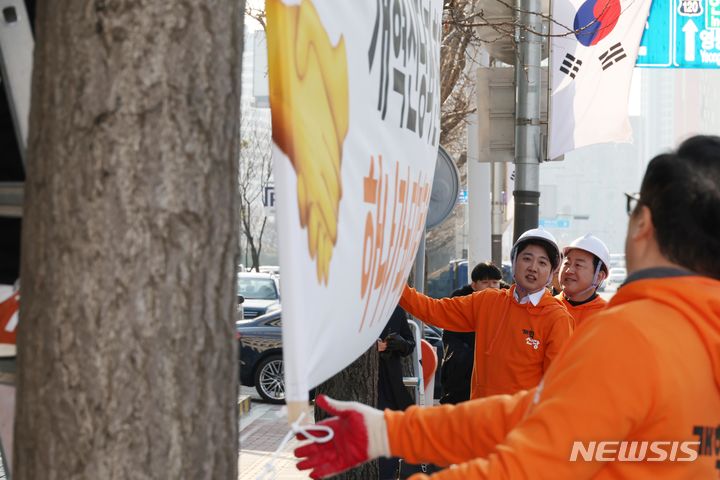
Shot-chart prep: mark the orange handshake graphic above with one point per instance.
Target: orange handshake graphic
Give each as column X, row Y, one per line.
column 310, row 116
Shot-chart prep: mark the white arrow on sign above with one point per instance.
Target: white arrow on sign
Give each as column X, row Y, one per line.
column 690, row 29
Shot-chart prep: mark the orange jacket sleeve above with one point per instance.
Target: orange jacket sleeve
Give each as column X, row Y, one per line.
column 454, row 313
column 483, row 422
column 590, row 393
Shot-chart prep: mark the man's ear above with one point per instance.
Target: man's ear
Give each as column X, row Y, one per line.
column 641, row 226
column 601, row 276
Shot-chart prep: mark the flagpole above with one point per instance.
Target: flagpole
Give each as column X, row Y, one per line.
column 527, row 116
column 419, row 282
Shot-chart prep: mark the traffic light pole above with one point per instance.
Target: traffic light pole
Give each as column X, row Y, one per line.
column 527, row 116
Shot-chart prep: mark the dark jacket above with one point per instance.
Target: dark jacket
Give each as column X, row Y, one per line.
column 392, row 393
column 457, row 365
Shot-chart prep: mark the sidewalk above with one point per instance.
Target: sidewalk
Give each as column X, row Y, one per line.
column 261, row 431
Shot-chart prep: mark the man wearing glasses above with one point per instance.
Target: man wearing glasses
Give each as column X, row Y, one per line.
column 635, row 393
column 631, row 201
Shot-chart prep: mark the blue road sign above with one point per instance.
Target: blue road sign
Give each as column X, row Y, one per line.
column 555, row 223
column 681, row 34
column 655, row 46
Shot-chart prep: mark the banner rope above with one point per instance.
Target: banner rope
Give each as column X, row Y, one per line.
column 268, row 471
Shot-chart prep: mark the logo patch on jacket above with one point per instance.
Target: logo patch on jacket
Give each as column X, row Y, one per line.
column 531, row 340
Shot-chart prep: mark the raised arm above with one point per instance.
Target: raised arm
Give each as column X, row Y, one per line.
column 589, row 394
column 421, row 435
column 456, row 313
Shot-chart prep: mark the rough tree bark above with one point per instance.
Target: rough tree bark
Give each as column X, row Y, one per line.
column 358, row 383
column 127, row 357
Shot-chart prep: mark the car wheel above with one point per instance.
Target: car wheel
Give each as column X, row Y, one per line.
column 270, row 380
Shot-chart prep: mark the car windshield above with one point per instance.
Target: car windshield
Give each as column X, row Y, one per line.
column 257, row 288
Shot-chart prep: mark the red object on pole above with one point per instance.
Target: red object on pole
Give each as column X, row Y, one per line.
column 429, row 361
column 8, row 324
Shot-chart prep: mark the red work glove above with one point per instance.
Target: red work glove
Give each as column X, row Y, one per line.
column 359, row 435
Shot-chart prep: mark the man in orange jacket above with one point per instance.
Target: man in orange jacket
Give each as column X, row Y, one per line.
column 634, row 394
column 519, row 331
column 584, row 268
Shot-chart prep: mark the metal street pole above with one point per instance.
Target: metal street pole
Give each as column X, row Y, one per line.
column 420, row 276
column 498, row 210
column 527, row 116
column 420, row 265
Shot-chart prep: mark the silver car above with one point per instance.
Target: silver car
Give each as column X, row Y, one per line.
column 261, row 293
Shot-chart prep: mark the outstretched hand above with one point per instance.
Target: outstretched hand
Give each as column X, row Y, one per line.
column 359, row 435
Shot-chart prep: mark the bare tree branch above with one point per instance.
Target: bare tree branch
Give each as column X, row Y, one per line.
column 255, row 174
column 257, row 14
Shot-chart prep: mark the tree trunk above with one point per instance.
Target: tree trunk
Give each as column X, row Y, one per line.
column 358, row 382
column 127, row 354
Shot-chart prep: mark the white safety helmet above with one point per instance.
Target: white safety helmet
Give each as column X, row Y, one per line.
column 545, row 238
column 591, row 244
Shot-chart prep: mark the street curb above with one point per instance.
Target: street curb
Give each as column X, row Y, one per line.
column 243, row 404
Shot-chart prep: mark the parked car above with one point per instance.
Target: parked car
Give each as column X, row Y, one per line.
column 271, row 269
column 261, row 294
column 260, row 355
column 616, row 277
column 261, row 361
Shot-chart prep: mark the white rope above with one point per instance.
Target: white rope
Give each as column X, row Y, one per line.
column 268, row 471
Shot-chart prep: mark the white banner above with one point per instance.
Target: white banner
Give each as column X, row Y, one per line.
column 354, row 94
column 592, row 70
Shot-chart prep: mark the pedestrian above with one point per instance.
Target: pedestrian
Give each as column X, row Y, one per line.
column 518, row 332
column 584, row 268
column 458, row 361
column 396, row 341
column 634, row 394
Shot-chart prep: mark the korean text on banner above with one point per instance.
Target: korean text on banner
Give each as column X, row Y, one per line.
column 594, row 48
column 354, row 96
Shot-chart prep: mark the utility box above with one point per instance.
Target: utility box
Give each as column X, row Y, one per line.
column 496, row 100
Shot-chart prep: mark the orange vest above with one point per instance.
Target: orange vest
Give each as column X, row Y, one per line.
column 581, row 312
column 646, row 369
column 514, row 343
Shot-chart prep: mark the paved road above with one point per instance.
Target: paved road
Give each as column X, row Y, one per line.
column 261, row 431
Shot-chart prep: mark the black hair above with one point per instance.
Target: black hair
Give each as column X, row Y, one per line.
column 682, row 191
column 596, row 262
column 550, row 250
column 485, row 271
